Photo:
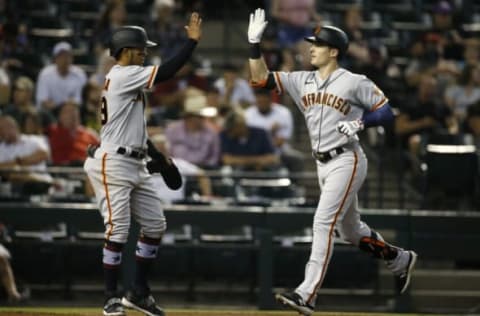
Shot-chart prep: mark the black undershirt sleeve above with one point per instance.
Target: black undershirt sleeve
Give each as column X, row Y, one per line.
column 171, row 66
column 270, row 82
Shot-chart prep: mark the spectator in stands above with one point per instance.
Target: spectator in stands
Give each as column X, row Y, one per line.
column 169, row 96
column 366, row 52
column 446, row 31
column 186, row 169
column 191, row 138
column 246, row 148
column 423, row 116
column 31, row 124
column 234, row 90
column 22, row 103
column 214, row 101
column 68, row 138
column 7, row 277
column 472, row 122
column 276, row 57
column 294, row 18
column 358, row 53
column 61, row 81
column 4, row 85
column 466, row 92
column 471, row 54
column 104, row 63
column 90, row 109
column 426, row 59
column 14, row 39
column 22, row 152
column 276, row 119
column 436, row 50
column 165, row 29
column 113, row 15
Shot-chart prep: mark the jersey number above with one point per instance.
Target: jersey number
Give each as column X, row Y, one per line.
column 103, row 111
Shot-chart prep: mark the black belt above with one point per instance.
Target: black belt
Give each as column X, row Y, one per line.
column 328, row 155
column 133, row 153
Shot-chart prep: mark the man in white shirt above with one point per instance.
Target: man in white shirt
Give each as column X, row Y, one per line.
column 60, row 81
column 234, row 90
column 277, row 120
column 22, row 152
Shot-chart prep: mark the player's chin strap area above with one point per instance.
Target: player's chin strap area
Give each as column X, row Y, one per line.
column 377, row 247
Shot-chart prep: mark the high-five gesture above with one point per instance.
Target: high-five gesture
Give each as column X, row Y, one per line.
column 256, row 26
column 194, row 29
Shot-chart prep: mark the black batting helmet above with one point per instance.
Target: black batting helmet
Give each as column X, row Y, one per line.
column 129, row 36
column 330, row 35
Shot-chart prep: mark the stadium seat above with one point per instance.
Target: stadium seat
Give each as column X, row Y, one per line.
column 452, row 176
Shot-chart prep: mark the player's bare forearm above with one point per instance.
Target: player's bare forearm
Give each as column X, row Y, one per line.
column 234, row 160
column 258, row 161
column 258, row 70
column 7, row 165
column 267, row 160
column 34, row 158
column 205, row 185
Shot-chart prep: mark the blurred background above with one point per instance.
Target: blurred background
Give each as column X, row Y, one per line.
column 239, row 232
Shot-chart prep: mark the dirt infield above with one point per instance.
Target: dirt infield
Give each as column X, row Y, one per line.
column 43, row 311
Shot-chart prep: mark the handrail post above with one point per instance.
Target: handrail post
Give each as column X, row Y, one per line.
column 265, row 269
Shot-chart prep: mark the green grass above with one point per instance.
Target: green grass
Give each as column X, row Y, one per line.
column 173, row 312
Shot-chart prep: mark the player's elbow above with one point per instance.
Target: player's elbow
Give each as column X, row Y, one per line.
column 263, row 82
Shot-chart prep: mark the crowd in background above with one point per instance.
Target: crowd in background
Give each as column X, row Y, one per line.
column 211, row 118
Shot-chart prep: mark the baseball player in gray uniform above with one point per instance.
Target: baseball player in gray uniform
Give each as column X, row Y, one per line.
column 336, row 104
column 119, row 171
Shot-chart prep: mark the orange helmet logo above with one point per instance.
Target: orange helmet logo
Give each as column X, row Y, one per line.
column 317, row 30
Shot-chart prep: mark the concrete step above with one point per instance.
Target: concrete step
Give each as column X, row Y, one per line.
column 442, row 282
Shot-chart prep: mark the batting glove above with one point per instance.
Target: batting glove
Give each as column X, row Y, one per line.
column 350, row 128
column 256, row 26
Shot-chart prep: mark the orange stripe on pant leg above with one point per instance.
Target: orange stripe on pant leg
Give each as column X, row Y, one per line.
column 332, row 227
column 107, row 196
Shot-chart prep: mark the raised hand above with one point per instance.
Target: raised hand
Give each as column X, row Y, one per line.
column 194, row 27
column 256, row 26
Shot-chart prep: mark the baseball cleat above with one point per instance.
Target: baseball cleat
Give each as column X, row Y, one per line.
column 402, row 281
column 144, row 305
column 113, row 307
column 296, row 302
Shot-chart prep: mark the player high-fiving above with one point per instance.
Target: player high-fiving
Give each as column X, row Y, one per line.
column 120, row 168
column 337, row 104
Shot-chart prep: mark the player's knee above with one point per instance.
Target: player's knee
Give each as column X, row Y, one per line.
column 147, row 247
column 155, row 228
column 117, row 231
column 321, row 223
column 118, row 236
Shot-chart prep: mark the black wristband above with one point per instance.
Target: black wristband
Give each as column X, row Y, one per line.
column 255, row 52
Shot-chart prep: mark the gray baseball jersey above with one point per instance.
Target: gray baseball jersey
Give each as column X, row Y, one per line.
column 122, row 185
column 123, row 105
column 342, row 96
